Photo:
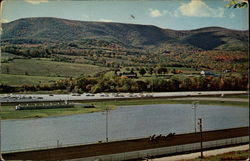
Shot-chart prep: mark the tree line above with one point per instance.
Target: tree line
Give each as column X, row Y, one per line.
column 110, row 82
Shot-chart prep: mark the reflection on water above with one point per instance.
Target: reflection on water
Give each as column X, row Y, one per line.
column 124, row 122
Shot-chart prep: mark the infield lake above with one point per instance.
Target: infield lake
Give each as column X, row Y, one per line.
column 123, row 123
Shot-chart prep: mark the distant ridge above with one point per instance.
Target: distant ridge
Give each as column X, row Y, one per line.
column 55, row 30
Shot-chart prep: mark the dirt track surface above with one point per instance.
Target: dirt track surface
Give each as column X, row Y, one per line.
column 90, row 150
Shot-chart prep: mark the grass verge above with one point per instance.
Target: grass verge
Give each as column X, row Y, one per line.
column 49, row 68
column 9, row 112
column 18, row 80
column 230, row 156
column 236, row 96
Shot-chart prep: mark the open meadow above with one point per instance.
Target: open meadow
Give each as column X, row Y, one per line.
column 49, row 68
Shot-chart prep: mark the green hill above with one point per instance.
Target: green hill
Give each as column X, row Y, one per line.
column 75, row 45
column 117, row 35
column 43, row 50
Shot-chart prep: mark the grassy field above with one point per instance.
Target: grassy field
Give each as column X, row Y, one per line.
column 9, row 112
column 5, row 55
column 236, row 96
column 17, row 80
column 46, row 67
column 168, row 101
column 233, row 156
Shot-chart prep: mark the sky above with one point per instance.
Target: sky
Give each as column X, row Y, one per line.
column 170, row 14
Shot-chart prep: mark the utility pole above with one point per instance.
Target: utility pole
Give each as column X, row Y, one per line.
column 200, row 123
column 1, row 14
column 194, row 106
column 107, row 123
column 57, row 143
column 152, row 88
column 1, row 158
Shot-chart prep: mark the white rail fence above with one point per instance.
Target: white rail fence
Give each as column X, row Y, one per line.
column 151, row 153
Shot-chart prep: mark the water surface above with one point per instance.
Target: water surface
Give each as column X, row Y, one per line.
column 124, row 122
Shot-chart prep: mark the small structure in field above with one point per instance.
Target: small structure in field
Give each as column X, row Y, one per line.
column 129, row 75
column 207, row 73
column 227, row 71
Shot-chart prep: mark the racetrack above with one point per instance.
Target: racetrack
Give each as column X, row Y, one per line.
column 83, row 151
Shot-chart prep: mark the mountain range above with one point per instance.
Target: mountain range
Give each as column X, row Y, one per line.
column 82, row 34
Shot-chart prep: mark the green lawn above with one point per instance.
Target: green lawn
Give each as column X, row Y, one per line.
column 233, row 156
column 17, row 80
column 46, row 67
column 9, row 112
column 168, row 101
column 236, row 96
column 9, row 55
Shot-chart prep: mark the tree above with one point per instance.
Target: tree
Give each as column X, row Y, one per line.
column 175, row 84
column 162, row 70
column 142, row 86
column 237, row 3
column 188, row 84
column 116, row 71
column 142, row 71
column 150, row 71
column 174, row 71
column 7, row 70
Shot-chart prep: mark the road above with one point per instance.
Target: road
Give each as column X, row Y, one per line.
column 205, row 153
column 104, row 96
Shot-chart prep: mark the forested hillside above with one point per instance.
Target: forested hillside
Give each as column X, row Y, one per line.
column 102, row 34
column 91, row 49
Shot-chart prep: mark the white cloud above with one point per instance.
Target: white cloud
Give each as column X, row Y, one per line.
column 155, row 12
column 37, row 1
column 105, row 20
column 172, row 14
column 198, row 8
column 2, row 20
